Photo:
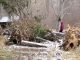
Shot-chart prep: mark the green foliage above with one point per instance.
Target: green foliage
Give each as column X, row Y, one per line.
column 35, row 1
column 11, row 5
column 39, row 31
column 38, row 18
column 2, row 1
column 9, row 8
column 6, row 54
column 3, row 59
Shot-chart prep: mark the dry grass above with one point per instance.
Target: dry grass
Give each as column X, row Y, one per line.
column 2, row 39
column 77, row 24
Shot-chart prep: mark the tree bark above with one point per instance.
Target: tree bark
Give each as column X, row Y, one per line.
column 32, row 44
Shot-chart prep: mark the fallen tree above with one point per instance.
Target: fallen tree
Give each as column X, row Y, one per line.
column 32, row 44
column 41, row 39
column 71, row 40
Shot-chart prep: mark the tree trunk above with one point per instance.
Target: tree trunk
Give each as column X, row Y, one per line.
column 32, row 44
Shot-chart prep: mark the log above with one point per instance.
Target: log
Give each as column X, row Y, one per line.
column 58, row 33
column 41, row 39
column 32, row 44
column 55, row 32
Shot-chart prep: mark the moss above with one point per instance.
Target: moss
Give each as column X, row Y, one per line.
column 7, row 53
column 3, row 59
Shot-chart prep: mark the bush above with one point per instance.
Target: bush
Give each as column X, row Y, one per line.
column 38, row 18
column 39, row 31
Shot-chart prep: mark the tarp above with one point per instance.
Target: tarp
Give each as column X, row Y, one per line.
column 5, row 19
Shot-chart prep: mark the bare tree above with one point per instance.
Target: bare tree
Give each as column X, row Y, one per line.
column 15, row 7
column 20, row 5
column 61, row 9
column 0, row 11
column 47, row 7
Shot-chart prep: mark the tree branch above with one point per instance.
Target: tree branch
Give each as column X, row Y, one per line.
column 68, row 6
column 54, row 9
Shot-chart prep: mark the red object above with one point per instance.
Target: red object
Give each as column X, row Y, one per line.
column 62, row 26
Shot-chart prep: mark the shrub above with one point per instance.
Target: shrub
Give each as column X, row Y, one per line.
column 38, row 18
column 39, row 31
column 2, row 39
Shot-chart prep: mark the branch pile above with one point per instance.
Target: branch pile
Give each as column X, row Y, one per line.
column 22, row 30
column 53, row 36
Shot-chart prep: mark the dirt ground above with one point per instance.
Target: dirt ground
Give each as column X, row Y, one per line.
column 32, row 53
column 74, row 54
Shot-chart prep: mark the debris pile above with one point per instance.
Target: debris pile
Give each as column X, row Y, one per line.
column 22, row 30
column 53, row 36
